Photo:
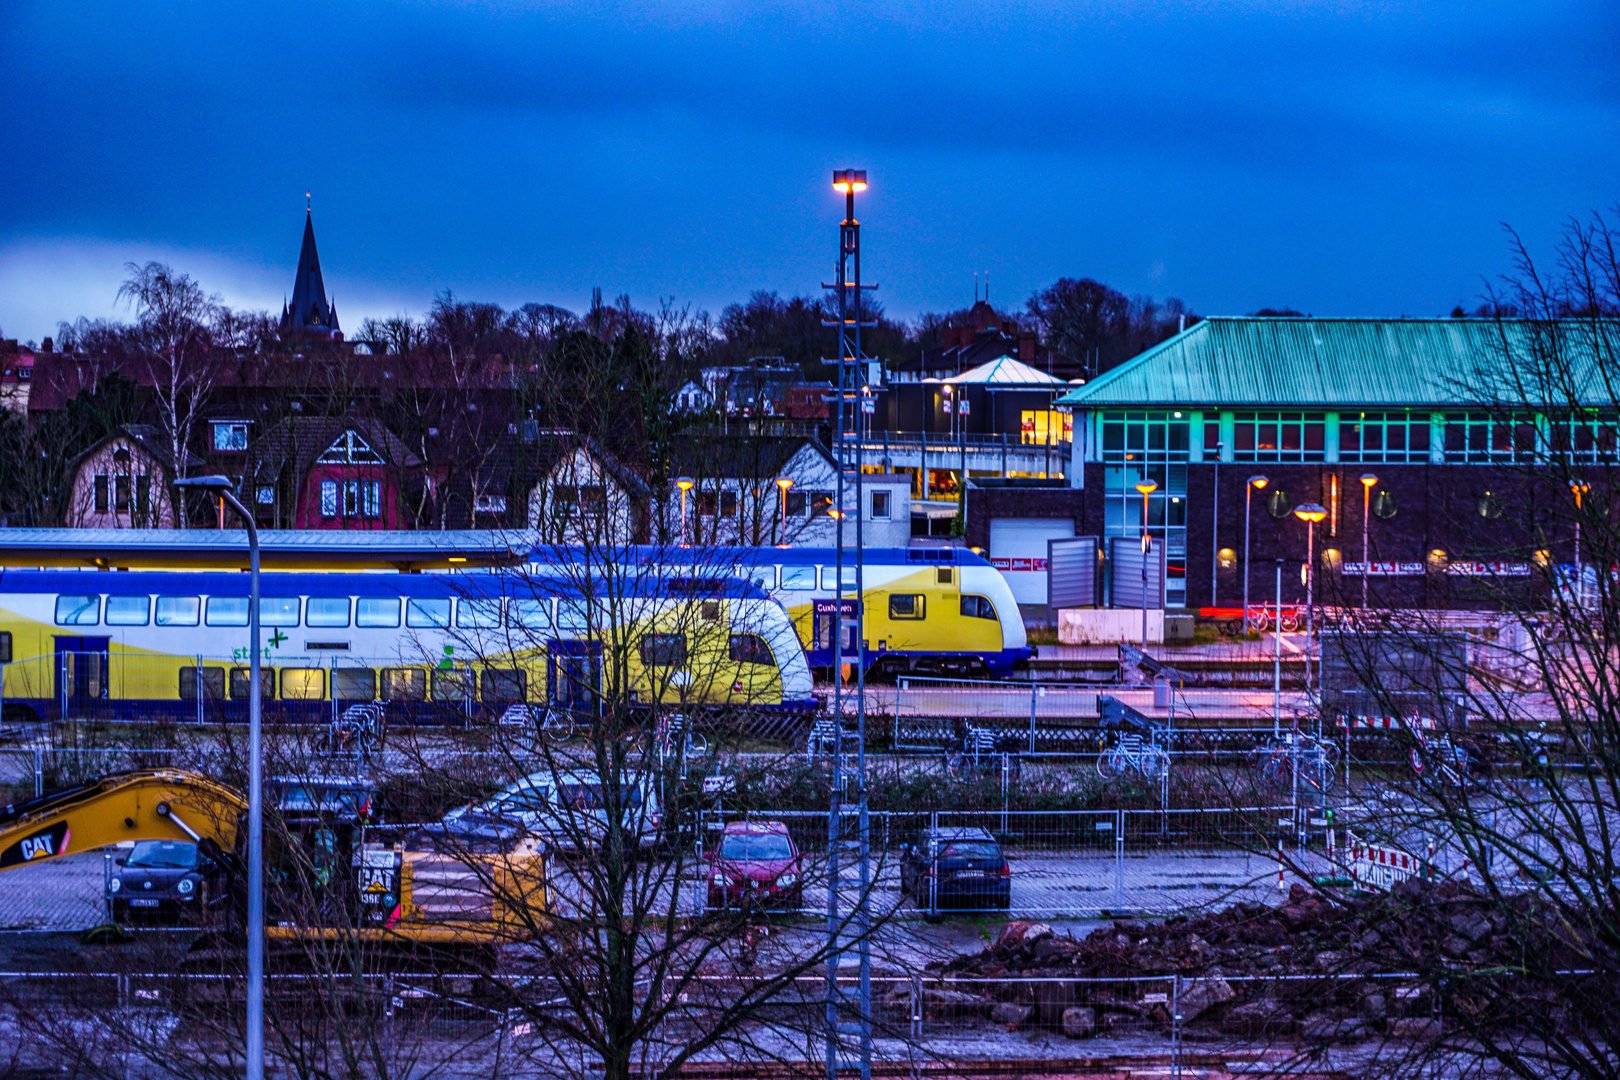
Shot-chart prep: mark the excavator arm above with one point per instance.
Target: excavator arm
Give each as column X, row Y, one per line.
column 145, row 804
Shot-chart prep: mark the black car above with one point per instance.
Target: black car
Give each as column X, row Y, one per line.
column 163, row 880
column 957, row 869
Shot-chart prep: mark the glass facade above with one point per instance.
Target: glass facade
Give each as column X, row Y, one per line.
column 1144, row 447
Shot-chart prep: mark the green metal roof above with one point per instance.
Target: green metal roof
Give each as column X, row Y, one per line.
column 1327, row 363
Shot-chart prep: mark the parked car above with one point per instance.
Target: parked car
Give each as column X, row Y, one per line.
column 163, row 880
column 960, row 869
column 566, row 809
column 756, row 864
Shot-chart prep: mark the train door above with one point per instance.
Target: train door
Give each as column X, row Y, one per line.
column 828, row 615
column 81, row 675
column 574, row 676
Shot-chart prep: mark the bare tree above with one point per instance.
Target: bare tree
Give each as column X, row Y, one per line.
column 174, row 317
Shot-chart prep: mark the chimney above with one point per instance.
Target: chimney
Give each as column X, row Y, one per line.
column 1026, row 347
column 47, row 345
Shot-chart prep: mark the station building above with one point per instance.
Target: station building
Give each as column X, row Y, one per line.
column 1424, row 436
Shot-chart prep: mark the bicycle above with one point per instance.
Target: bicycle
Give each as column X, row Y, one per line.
column 1316, row 760
column 984, row 753
column 1453, row 762
column 675, row 738
column 1131, row 754
column 358, row 730
column 553, row 725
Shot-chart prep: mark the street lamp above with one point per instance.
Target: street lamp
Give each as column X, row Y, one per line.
column 1146, row 487
column 1578, row 488
column 226, row 490
column 1312, row 514
column 685, row 483
column 784, row 482
column 1256, row 483
column 1367, row 482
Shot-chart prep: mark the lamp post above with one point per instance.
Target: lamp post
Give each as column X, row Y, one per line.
column 1256, row 483
column 783, row 483
column 1146, row 487
column 1578, row 488
column 1311, row 514
column 1368, row 480
column 685, row 483
column 222, row 487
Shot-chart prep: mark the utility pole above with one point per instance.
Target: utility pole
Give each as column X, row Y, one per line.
column 849, row 1012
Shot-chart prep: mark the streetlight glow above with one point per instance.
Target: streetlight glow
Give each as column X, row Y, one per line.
column 847, row 180
column 1367, row 482
column 1255, row 483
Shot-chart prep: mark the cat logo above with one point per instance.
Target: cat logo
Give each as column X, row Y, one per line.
column 40, row 845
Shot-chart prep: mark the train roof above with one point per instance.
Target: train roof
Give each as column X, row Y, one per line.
column 279, row 549
column 467, row 585
column 722, row 557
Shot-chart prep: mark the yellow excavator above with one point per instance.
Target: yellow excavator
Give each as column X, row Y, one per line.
column 429, row 889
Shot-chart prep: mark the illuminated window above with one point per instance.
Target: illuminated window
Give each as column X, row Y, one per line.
column 1045, row 427
column 1383, row 436
column 1279, row 436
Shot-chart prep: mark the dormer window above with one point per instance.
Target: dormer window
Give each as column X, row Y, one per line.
column 230, row 436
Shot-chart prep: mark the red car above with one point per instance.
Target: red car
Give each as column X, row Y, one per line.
column 756, row 864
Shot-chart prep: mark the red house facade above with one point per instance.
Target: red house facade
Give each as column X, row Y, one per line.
column 350, row 485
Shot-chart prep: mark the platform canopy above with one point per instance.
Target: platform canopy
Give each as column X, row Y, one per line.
column 279, row 549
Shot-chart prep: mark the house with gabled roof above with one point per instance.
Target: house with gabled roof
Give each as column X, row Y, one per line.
column 123, row 482
column 322, row 472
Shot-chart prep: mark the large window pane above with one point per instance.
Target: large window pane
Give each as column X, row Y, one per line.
column 529, row 614
column 502, row 685
column 801, row 578
column 241, row 681
column 327, row 611
column 78, row 610
column 376, row 611
column 427, row 613
column 303, row 684
column 478, row 614
column 227, row 611
column 178, row 610
column 212, row 683
column 354, row 684
column 129, row 610
column 278, row 611
column 404, row 684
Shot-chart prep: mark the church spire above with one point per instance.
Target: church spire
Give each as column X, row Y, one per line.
column 310, row 312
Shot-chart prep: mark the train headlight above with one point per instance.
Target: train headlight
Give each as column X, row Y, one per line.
column 115, row 885
column 787, row 880
column 185, row 886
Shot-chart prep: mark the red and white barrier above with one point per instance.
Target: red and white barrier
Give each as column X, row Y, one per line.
column 1376, row 867
column 1388, row 723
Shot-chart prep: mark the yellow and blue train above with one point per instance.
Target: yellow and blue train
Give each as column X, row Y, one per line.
column 123, row 644
column 943, row 611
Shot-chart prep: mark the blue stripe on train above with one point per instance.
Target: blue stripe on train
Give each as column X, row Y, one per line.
column 1000, row 662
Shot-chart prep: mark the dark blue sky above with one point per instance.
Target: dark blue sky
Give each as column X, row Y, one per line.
column 1340, row 158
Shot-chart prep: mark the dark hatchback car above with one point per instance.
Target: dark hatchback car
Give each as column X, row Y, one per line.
column 756, row 864
column 956, row 869
column 163, row 880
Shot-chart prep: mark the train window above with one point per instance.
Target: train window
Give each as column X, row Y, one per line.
column 212, row 683
column 241, row 682
column 802, row 578
column 573, row 618
column 977, row 607
column 278, row 611
column 478, row 614
column 303, row 684
column 129, row 610
column 829, row 575
column 354, row 684
column 5, row 646
column 502, row 684
column 763, row 576
column 78, row 610
column 944, row 575
column 663, row 650
column 452, row 685
column 327, row 611
column 709, row 611
column 227, row 611
column 751, row 649
column 426, row 613
column 376, row 611
column 529, row 614
column 178, row 610
column 404, row 684
column 907, row 605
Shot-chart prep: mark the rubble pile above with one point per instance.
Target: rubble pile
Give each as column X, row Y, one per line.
column 1309, row 966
